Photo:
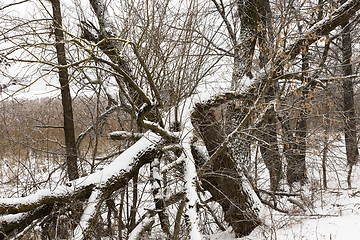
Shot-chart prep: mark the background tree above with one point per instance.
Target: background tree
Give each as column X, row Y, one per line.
column 71, row 151
column 352, row 152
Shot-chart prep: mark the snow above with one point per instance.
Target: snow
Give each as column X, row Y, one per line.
column 190, row 185
column 189, row 163
column 28, row 199
column 121, row 164
column 335, row 221
column 173, row 164
column 346, row 227
column 156, row 173
column 12, row 217
column 135, row 233
column 338, row 219
column 86, row 216
column 124, row 134
column 333, row 214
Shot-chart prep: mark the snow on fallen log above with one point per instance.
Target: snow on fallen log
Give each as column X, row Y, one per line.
column 145, row 224
column 190, row 179
column 191, row 195
column 111, row 178
column 124, row 135
column 20, row 221
column 89, row 212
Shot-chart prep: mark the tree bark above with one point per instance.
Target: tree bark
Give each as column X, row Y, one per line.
column 270, row 150
column 256, row 26
column 12, row 227
column 295, row 146
column 352, row 152
column 158, row 194
column 296, row 168
column 222, row 178
column 69, row 131
column 297, row 172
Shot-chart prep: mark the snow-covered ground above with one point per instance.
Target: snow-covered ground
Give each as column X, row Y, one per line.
column 332, row 214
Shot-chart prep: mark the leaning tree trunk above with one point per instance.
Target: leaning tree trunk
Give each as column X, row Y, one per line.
column 69, row 131
column 227, row 185
column 352, row 153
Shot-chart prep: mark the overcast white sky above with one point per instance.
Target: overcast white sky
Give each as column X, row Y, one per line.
column 30, row 10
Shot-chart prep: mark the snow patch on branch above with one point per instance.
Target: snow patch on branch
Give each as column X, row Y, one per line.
column 190, row 183
column 12, row 218
column 122, row 163
column 145, row 224
column 89, row 212
column 123, row 135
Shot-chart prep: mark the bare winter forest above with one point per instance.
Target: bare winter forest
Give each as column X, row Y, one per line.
column 179, row 119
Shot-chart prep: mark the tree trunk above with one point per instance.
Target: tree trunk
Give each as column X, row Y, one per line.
column 228, row 186
column 296, row 170
column 71, row 152
column 352, row 153
column 244, row 51
column 295, row 146
column 270, row 150
column 256, row 26
column 326, row 142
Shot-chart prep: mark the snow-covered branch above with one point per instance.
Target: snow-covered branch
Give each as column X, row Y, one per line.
column 88, row 214
column 123, row 135
column 323, row 27
column 115, row 176
column 190, row 185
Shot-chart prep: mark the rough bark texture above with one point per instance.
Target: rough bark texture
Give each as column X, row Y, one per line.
column 240, row 145
column 71, row 151
column 157, row 191
column 349, row 106
column 270, row 150
column 352, row 153
column 255, row 26
column 222, row 178
column 296, row 168
column 243, row 58
column 296, row 172
column 244, row 51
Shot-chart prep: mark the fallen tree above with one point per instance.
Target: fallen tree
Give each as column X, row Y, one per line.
column 198, row 144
